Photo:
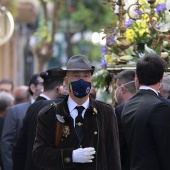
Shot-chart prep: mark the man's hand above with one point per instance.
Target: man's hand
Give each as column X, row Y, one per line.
column 83, row 155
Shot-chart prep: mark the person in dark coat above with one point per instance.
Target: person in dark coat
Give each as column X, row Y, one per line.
column 145, row 118
column 164, row 90
column 14, row 119
column 165, row 86
column 22, row 151
column 125, row 89
column 123, row 79
column 6, row 101
column 165, row 100
column 67, row 138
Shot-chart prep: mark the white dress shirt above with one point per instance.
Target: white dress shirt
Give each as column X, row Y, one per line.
column 43, row 95
column 32, row 100
column 73, row 111
column 148, row 88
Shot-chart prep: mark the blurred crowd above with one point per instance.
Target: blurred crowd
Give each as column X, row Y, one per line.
column 14, row 104
column 20, row 106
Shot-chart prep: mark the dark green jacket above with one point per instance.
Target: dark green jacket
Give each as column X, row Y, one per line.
column 100, row 132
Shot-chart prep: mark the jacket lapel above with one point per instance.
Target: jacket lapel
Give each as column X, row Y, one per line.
column 91, row 129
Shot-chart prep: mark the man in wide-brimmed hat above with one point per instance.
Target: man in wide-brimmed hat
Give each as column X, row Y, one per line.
column 78, row 133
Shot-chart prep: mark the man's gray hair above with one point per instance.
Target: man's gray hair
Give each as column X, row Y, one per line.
column 127, row 77
column 166, row 84
column 6, row 99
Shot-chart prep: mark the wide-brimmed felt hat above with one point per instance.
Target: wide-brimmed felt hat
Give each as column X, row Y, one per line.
column 52, row 74
column 79, row 63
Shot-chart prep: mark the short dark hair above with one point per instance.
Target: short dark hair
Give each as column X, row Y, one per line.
column 150, row 69
column 50, row 85
column 126, row 76
column 7, row 81
column 52, row 77
column 33, row 80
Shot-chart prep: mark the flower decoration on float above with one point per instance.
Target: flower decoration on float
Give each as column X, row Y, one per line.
column 141, row 28
column 145, row 30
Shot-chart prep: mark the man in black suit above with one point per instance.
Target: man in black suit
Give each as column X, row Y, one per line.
column 125, row 89
column 145, row 118
column 22, row 152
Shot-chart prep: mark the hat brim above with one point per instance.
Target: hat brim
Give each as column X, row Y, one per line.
column 79, row 69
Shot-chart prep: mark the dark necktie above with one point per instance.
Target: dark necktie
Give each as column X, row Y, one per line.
column 79, row 121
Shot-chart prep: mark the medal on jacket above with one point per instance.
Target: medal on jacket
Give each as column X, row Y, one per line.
column 94, row 111
column 66, row 131
column 60, row 118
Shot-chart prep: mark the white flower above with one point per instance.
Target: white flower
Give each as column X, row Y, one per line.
column 164, row 54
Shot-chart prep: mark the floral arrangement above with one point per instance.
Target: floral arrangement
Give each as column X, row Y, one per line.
column 141, row 35
column 141, row 31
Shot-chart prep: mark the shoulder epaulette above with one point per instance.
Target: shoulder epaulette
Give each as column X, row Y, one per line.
column 47, row 107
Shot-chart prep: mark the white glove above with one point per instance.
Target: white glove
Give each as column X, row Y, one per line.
column 83, row 155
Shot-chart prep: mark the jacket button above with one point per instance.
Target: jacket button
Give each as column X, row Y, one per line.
column 95, row 133
column 67, row 160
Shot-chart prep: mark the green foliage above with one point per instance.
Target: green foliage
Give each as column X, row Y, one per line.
column 92, row 14
column 96, row 52
column 102, row 79
column 87, row 48
column 54, row 1
column 43, row 33
column 13, row 8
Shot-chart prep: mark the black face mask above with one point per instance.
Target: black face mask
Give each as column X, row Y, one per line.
column 80, row 88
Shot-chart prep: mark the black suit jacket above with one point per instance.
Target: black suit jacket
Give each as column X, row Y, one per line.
column 165, row 100
column 40, row 98
column 2, row 118
column 123, row 146
column 22, row 151
column 146, row 125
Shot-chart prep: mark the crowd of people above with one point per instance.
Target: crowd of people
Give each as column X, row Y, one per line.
column 56, row 121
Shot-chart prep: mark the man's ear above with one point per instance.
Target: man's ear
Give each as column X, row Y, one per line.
column 137, row 82
column 32, row 87
column 59, row 89
column 123, row 89
column 66, row 82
